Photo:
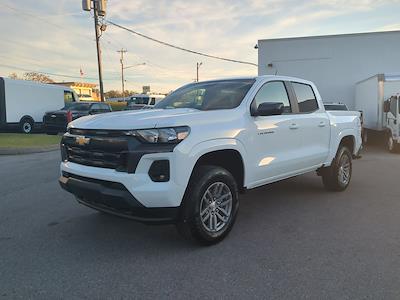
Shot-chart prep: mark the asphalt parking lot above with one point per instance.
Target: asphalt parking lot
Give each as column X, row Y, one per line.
column 292, row 240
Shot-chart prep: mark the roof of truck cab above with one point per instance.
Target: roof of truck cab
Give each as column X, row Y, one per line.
column 262, row 77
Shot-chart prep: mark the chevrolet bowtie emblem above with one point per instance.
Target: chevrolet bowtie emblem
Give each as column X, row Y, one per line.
column 81, row 140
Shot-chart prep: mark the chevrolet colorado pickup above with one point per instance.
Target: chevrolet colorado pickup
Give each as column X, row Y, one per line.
column 186, row 160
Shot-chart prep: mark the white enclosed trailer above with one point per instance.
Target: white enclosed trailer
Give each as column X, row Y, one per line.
column 23, row 103
column 377, row 97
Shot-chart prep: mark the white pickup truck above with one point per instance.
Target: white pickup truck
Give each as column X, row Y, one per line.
column 186, row 161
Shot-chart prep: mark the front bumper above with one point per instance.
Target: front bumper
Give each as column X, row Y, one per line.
column 114, row 198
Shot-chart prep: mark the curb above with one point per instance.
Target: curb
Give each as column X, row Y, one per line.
column 19, row 151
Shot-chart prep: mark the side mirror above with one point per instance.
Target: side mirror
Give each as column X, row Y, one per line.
column 386, row 106
column 269, row 109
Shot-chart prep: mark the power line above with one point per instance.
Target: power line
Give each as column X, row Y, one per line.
column 52, row 74
column 180, row 48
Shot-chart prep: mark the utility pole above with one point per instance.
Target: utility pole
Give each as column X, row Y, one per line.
column 197, row 70
column 122, row 51
column 99, row 9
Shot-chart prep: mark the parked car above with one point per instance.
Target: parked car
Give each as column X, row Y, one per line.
column 57, row 121
column 147, row 99
column 335, row 106
column 187, row 165
column 23, row 103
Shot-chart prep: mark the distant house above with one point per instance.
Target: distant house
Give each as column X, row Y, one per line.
column 86, row 91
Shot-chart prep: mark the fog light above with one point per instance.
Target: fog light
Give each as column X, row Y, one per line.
column 64, row 156
column 159, row 171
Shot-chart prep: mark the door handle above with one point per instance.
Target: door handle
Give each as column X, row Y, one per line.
column 294, row 126
column 321, row 124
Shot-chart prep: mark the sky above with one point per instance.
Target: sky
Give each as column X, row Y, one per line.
column 58, row 36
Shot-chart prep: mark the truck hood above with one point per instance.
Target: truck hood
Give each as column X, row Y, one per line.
column 139, row 119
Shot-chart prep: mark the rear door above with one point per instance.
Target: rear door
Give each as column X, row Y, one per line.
column 313, row 126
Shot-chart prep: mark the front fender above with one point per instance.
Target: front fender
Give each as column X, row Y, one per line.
column 187, row 160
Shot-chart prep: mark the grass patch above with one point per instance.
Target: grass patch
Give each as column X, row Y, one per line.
column 117, row 106
column 21, row 140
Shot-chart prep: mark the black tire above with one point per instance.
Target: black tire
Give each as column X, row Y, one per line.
column 26, row 125
column 333, row 177
column 364, row 136
column 200, row 196
column 391, row 144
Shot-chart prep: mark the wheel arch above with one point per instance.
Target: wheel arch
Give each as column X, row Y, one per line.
column 227, row 153
column 345, row 137
column 27, row 117
column 229, row 159
column 349, row 141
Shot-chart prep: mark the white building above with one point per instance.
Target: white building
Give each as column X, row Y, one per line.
column 334, row 62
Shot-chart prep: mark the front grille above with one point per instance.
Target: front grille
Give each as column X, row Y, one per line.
column 111, row 149
column 98, row 150
column 97, row 158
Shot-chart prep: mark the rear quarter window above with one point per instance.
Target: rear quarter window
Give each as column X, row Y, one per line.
column 305, row 97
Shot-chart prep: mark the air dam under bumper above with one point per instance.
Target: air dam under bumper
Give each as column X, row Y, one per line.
column 114, row 198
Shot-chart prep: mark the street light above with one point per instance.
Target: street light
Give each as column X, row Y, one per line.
column 122, row 74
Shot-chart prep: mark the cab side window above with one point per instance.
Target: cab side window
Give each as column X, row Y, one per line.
column 305, row 97
column 273, row 92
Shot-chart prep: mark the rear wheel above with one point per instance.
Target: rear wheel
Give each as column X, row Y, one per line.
column 337, row 177
column 391, row 144
column 210, row 205
column 364, row 135
column 26, row 125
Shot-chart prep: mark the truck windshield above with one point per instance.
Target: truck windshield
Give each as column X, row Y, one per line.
column 211, row 95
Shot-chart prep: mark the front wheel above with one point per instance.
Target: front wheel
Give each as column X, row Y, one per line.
column 337, row 177
column 210, row 205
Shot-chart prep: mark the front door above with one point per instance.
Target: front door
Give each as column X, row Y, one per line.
column 272, row 141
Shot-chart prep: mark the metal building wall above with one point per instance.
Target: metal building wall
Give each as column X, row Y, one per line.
column 334, row 63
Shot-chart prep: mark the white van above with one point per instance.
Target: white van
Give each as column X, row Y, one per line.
column 24, row 103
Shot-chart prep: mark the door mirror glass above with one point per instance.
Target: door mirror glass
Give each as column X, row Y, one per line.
column 270, row 109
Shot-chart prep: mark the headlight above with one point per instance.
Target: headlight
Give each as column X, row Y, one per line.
column 164, row 135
